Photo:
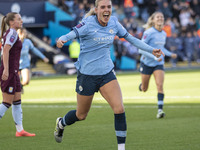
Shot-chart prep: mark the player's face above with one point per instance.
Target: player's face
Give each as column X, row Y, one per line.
column 159, row 19
column 104, row 11
column 17, row 22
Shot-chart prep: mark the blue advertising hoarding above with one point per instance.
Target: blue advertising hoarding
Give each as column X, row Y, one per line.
column 32, row 12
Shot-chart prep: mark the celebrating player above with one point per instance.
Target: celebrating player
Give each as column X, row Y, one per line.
column 156, row 37
column 96, row 33
column 9, row 78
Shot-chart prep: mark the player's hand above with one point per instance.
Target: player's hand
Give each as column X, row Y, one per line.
column 46, row 60
column 5, row 75
column 159, row 59
column 173, row 56
column 157, row 53
column 60, row 43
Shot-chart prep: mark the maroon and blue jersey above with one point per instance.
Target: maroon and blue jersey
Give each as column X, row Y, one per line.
column 12, row 84
column 11, row 38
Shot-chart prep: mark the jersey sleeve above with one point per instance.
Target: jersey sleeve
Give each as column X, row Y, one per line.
column 139, row 44
column 81, row 29
column 31, row 46
column 147, row 54
column 167, row 52
column 11, row 38
column 122, row 32
column 35, row 50
column 146, row 37
column 71, row 35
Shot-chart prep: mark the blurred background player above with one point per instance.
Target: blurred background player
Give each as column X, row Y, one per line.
column 74, row 50
column 10, row 82
column 155, row 37
column 24, row 67
column 96, row 33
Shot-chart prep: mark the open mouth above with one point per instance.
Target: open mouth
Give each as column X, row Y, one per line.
column 106, row 16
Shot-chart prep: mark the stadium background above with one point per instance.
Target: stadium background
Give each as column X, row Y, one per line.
column 46, row 20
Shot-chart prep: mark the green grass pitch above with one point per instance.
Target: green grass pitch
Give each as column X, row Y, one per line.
column 45, row 99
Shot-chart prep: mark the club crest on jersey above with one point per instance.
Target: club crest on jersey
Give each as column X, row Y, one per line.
column 12, row 38
column 10, row 89
column 80, row 24
column 111, row 31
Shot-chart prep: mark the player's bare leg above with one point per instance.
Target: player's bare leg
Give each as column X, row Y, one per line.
column 159, row 79
column 112, row 93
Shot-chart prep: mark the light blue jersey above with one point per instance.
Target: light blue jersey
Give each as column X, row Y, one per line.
column 24, row 58
column 95, row 43
column 155, row 39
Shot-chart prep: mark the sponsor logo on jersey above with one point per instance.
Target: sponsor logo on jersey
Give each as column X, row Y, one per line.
column 80, row 25
column 106, row 39
column 10, row 90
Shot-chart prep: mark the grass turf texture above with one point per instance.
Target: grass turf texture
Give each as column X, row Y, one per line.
column 47, row 98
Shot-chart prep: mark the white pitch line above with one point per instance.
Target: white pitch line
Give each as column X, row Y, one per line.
column 100, row 98
column 103, row 106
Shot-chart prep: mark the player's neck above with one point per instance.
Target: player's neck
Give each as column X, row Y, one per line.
column 13, row 28
column 158, row 27
column 102, row 23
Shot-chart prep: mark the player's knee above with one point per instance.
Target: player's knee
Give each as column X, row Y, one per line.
column 26, row 83
column 119, row 110
column 7, row 104
column 144, row 89
column 82, row 116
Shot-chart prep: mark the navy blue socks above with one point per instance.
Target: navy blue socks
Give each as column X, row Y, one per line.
column 160, row 100
column 120, row 128
column 69, row 118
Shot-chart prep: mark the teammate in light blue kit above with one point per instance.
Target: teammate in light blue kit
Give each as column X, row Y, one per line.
column 96, row 33
column 24, row 64
column 156, row 37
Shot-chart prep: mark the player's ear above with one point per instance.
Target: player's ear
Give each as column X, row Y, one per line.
column 95, row 10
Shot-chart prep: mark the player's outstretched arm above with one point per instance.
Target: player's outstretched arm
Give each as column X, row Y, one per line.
column 157, row 52
column 60, row 43
column 150, row 55
column 174, row 56
column 140, row 44
column 63, row 39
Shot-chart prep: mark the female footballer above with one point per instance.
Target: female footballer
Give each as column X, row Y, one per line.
column 155, row 37
column 96, row 33
column 9, row 78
